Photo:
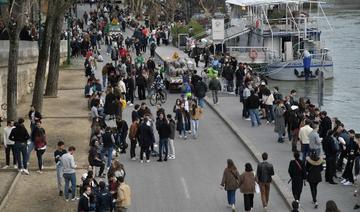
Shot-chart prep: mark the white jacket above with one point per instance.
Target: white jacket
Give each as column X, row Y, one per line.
column 7, row 131
column 268, row 100
column 122, row 86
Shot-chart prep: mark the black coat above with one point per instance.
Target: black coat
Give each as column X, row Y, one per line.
column 314, row 169
column 146, row 135
column 252, row 102
column 182, row 118
column 163, row 128
column 19, row 134
column 297, row 170
column 330, row 146
column 200, row 89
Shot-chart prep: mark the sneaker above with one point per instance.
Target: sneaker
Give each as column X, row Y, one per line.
column 5, row 167
column 159, row 160
column 185, row 137
column 233, row 207
column 39, row 171
column 15, row 167
column 134, row 158
column 348, row 183
column 356, row 207
column 141, row 161
column 147, row 161
column 316, row 205
column 74, row 199
column 131, row 104
column 165, row 159
column 267, row 122
column 26, row 172
column 229, row 206
column 343, row 181
column 248, row 119
column 67, row 200
column 60, row 193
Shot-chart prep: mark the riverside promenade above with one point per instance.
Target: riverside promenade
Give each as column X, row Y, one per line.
column 264, row 139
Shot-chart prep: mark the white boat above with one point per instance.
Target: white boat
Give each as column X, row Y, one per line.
column 276, row 33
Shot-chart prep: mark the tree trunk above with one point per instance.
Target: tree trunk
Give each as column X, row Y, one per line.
column 54, row 61
column 14, row 31
column 38, row 95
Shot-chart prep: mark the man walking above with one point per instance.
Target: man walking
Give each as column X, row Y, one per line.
column 68, row 163
column 264, row 174
column 304, row 139
column 163, row 129
column 9, row 144
column 252, row 104
column 20, row 136
column 59, row 168
column 215, row 86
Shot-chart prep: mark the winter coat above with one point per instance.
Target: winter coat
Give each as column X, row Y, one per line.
column 197, row 114
column 182, row 118
column 264, row 172
column 297, row 170
column 247, row 183
column 230, row 179
column 146, row 135
column 172, row 129
column 279, row 120
column 253, row 102
column 214, row 84
column 163, row 128
column 314, row 169
column 200, row 89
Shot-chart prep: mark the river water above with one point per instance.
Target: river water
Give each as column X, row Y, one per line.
column 342, row 94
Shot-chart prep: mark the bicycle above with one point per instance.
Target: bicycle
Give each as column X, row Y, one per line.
column 158, row 96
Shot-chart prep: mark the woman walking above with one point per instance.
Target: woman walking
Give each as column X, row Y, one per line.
column 297, row 174
column 182, row 121
column 314, row 168
column 280, row 120
column 247, row 186
column 39, row 138
column 230, row 181
column 196, row 114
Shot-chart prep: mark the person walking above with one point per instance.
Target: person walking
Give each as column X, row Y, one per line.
column 146, row 139
column 352, row 149
column 123, row 201
column 181, row 116
column 279, row 112
column 60, row 151
column 200, row 92
column 94, row 157
column 264, row 173
column 230, row 182
column 163, row 128
column 314, row 139
column 9, row 144
column 331, row 148
column 297, row 174
column 314, row 168
column 20, row 136
column 247, row 186
column 133, row 136
column 215, row 87
column 68, row 163
column 172, row 136
column 252, row 104
column 304, row 139
column 104, row 200
column 196, row 114
column 108, row 145
column 38, row 135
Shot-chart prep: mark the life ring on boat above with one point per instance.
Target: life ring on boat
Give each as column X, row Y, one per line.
column 253, row 54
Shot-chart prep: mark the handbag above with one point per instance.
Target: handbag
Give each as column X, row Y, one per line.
column 257, row 188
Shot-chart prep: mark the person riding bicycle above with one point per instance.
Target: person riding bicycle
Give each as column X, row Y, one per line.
column 158, row 84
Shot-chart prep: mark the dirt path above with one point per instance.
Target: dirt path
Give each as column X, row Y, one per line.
column 66, row 119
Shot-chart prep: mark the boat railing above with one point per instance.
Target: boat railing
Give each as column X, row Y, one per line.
column 253, row 53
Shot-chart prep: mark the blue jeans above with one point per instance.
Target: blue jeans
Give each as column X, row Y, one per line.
column 163, row 144
column 270, row 113
column 231, row 196
column 21, row 151
column 201, row 102
column 305, row 149
column 67, row 178
column 107, row 151
column 30, row 148
column 254, row 115
column 195, row 126
column 104, row 78
column 59, row 176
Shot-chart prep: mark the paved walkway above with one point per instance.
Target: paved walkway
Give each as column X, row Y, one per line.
column 264, row 139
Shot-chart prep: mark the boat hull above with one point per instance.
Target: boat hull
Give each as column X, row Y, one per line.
column 294, row 70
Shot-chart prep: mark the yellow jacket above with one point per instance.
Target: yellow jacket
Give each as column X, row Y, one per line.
column 123, row 196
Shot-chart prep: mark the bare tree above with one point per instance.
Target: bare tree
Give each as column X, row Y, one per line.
column 14, row 16
column 56, row 9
